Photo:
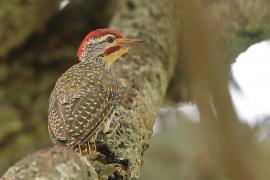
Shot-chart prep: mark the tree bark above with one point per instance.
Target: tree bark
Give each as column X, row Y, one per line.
column 34, row 66
column 145, row 73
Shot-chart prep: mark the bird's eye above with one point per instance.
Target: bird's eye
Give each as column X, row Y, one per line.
column 110, row 39
column 93, row 39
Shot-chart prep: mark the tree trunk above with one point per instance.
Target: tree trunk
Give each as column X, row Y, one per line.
column 145, row 74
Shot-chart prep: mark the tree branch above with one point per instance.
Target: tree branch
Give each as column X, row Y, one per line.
column 145, row 73
column 236, row 24
column 33, row 67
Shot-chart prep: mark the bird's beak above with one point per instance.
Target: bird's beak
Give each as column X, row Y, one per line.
column 128, row 42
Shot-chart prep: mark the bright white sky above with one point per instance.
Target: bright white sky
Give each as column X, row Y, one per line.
column 252, row 72
column 63, row 4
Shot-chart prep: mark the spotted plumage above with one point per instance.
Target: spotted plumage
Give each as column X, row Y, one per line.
column 81, row 100
column 85, row 96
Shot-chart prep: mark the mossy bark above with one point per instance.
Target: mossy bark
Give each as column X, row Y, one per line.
column 145, row 74
column 29, row 71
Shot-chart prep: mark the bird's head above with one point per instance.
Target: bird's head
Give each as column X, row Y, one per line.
column 105, row 43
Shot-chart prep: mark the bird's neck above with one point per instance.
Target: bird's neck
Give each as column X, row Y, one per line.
column 96, row 60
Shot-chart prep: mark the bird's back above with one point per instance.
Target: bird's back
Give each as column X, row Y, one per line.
column 80, row 101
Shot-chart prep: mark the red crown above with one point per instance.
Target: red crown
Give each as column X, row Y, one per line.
column 97, row 33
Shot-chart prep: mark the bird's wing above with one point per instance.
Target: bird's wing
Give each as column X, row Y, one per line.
column 88, row 112
column 101, row 118
column 111, row 87
column 59, row 105
column 109, row 99
column 82, row 102
column 58, row 112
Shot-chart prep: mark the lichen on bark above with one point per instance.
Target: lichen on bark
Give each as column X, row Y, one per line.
column 144, row 74
column 29, row 71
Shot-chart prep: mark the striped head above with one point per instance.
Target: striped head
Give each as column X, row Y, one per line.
column 105, row 45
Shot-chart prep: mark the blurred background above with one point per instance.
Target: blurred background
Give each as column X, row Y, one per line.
column 36, row 49
column 178, row 127
column 37, row 46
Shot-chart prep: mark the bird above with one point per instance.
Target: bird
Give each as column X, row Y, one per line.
column 84, row 97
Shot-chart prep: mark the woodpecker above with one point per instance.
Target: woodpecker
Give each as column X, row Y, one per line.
column 85, row 96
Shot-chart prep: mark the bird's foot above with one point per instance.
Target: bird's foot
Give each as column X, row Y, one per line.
column 86, row 149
